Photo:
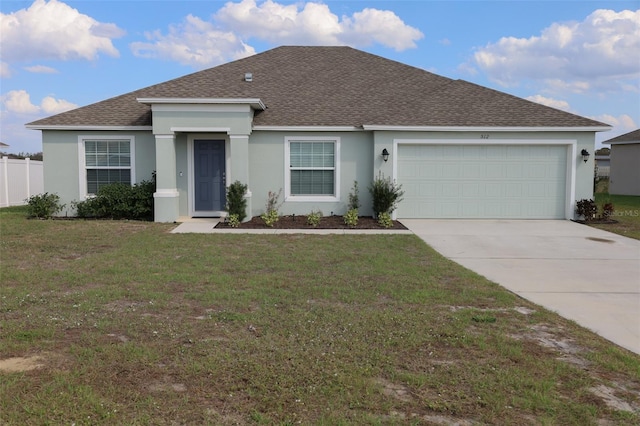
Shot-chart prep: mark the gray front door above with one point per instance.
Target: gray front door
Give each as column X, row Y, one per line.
column 209, row 175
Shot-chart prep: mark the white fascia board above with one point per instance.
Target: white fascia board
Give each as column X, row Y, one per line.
column 87, row 128
column 200, row 129
column 308, row 128
column 483, row 142
column 622, row 143
column 483, row 129
column 255, row 103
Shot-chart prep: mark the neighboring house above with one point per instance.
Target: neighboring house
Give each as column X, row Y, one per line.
column 624, row 177
column 602, row 162
column 311, row 121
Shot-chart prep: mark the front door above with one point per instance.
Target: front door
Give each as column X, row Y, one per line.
column 209, row 176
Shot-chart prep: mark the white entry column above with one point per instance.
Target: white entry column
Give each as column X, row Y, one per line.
column 239, row 147
column 166, row 197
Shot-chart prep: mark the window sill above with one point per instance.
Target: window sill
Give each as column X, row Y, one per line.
column 312, row 199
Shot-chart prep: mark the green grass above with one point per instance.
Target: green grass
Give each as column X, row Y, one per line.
column 134, row 325
column 626, row 213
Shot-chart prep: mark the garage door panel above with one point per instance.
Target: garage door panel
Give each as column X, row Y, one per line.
column 476, row 181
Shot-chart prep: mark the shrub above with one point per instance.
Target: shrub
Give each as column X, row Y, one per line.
column 313, row 219
column 43, row 206
column 120, row 201
column 236, row 203
column 233, row 220
column 384, row 220
column 607, row 210
column 271, row 215
column 270, row 218
column 351, row 218
column 386, row 195
column 586, row 208
column 354, row 199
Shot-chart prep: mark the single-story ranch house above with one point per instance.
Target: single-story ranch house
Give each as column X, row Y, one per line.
column 312, row 120
column 624, row 175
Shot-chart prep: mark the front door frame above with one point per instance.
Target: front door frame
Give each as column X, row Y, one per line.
column 191, row 138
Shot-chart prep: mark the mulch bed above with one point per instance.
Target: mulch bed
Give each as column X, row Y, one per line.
column 300, row 222
column 598, row 221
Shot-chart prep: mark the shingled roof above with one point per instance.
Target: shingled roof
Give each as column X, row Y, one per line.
column 331, row 86
column 633, row 136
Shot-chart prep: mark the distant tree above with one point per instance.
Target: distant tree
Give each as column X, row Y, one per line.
column 603, row 151
column 22, row 155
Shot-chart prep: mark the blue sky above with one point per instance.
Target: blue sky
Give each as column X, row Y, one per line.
column 581, row 56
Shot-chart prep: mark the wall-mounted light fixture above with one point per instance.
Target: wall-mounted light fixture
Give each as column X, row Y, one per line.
column 385, row 155
column 585, row 155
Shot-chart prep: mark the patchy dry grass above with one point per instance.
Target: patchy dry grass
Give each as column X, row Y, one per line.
column 123, row 323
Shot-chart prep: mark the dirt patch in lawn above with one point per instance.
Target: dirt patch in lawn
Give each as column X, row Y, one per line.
column 300, row 222
column 20, row 364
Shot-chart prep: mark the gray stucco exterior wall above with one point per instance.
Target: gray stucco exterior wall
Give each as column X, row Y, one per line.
column 624, row 178
column 61, row 153
column 261, row 163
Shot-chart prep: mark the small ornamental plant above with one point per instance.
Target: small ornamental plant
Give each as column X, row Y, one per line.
column 384, row 220
column 233, row 220
column 351, row 218
column 313, row 219
column 354, row 197
column 586, row 208
column 271, row 215
column 607, row 210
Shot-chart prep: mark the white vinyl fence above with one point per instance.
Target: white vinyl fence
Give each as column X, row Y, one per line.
column 19, row 180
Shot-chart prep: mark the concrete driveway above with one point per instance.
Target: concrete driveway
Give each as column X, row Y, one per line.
column 582, row 273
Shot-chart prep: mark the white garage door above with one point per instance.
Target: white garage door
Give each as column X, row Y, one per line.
column 482, row 181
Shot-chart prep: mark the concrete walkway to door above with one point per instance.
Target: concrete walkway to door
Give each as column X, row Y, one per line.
column 582, row 273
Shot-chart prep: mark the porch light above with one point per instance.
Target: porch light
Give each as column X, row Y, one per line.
column 385, row 155
column 585, row 155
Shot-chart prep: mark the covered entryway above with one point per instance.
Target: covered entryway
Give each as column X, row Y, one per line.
column 208, row 177
column 518, row 181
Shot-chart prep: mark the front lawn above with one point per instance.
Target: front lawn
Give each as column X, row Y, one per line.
column 626, row 213
column 120, row 322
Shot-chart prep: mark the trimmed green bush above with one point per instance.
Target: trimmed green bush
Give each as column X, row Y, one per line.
column 43, row 206
column 120, row 201
column 236, row 203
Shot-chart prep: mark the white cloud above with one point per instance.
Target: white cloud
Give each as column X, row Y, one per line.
column 601, row 51
column 622, row 123
column 203, row 43
column 19, row 102
column 314, row 23
column 54, row 30
column 554, row 103
column 41, row 69
column 50, row 105
column 193, row 42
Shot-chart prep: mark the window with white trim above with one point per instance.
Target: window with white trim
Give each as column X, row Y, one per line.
column 106, row 161
column 313, row 168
